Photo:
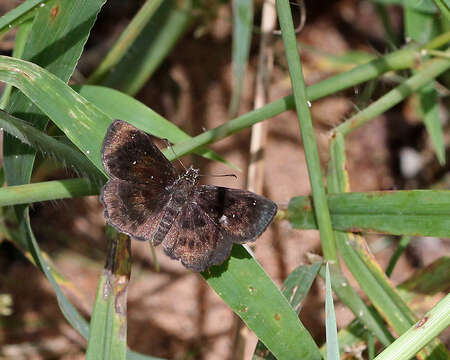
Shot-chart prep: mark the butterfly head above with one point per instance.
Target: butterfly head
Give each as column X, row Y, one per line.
column 191, row 175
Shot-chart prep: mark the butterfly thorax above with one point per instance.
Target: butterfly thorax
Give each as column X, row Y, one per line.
column 180, row 191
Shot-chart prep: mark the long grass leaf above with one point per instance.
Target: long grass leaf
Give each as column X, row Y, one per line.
column 295, row 288
column 242, row 31
column 246, row 288
column 409, row 212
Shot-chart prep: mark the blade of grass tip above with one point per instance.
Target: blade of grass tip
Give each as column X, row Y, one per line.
column 125, row 41
column 420, row 334
column 19, row 46
column 295, row 288
column 402, row 244
column 19, row 14
column 307, row 131
column 242, row 31
column 108, row 329
column 330, row 320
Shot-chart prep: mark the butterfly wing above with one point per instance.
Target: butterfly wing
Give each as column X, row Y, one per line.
column 196, row 240
column 134, row 209
column 241, row 215
column 212, row 220
column 129, row 154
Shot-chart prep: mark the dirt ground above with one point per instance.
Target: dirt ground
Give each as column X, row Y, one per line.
column 172, row 313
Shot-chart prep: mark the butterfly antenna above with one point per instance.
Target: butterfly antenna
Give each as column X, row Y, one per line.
column 221, row 175
column 176, row 156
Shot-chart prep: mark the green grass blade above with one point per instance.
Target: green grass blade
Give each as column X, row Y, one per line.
column 108, row 330
column 48, row 146
column 307, row 131
column 429, row 71
column 330, row 320
column 83, row 123
column 19, row 14
column 337, row 180
column 444, row 8
column 412, row 212
column 246, row 288
column 44, row 191
column 420, row 334
column 242, row 32
column 422, row 27
column 402, row 244
column 118, row 105
column 19, row 47
column 427, row 281
column 295, row 288
column 125, row 41
column 153, row 44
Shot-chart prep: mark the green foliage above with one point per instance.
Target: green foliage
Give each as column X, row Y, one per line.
column 49, row 43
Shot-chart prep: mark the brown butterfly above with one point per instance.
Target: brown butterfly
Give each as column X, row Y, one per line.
column 147, row 199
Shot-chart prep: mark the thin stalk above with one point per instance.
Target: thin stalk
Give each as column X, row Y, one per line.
column 430, row 70
column 420, row 334
column 307, row 131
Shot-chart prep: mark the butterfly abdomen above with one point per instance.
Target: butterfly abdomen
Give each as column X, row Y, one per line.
column 179, row 197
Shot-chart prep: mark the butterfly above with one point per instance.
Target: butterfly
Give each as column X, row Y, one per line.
column 148, row 200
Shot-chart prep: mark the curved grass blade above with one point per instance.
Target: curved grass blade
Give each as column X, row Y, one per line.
column 402, row 244
column 48, row 146
column 108, row 330
column 411, row 212
column 242, row 31
column 295, row 288
column 246, row 288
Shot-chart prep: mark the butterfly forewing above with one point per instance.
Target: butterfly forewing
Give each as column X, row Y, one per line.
column 129, row 154
column 241, row 215
column 134, row 209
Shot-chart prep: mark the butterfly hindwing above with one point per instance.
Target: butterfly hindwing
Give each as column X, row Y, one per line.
column 241, row 215
column 196, row 240
column 129, row 154
column 134, row 209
